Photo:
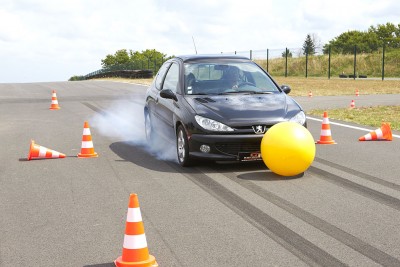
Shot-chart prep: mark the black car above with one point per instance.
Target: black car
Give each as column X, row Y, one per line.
column 216, row 107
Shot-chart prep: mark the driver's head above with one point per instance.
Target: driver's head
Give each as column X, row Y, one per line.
column 232, row 74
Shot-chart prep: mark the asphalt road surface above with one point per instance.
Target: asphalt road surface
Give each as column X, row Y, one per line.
column 345, row 210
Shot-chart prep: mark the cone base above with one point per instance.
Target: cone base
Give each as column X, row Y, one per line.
column 93, row 155
column 150, row 262
column 332, row 142
column 54, row 108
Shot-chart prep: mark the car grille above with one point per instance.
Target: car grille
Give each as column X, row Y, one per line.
column 233, row 148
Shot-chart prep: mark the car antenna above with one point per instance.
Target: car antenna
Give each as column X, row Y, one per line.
column 194, row 45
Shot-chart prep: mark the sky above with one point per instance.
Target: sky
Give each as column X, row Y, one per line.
column 47, row 41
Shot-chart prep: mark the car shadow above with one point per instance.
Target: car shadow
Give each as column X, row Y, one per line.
column 140, row 155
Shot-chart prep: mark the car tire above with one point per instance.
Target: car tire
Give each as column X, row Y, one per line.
column 149, row 129
column 182, row 147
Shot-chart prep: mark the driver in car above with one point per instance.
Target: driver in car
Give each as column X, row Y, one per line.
column 232, row 77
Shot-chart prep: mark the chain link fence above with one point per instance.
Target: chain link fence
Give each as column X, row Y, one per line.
column 384, row 63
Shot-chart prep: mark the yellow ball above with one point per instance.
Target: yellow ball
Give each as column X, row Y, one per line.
column 288, row 148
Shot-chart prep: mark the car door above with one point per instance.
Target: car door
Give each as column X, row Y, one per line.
column 153, row 92
column 165, row 107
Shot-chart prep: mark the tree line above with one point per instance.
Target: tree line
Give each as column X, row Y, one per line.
column 368, row 41
column 144, row 58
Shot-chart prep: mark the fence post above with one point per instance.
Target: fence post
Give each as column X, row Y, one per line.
column 306, row 62
column 355, row 61
column 383, row 62
column 329, row 62
column 267, row 58
column 286, row 56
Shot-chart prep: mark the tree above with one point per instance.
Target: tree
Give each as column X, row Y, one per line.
column 387, row 34
column 308, row 46
column 366, row 41
column 120, row 57
column 287, row 53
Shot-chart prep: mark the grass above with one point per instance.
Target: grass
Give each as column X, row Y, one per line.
column 317, row 66
column 301, row 86
column 370, row 116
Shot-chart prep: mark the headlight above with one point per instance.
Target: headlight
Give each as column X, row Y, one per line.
column 300, row 118
column 212, row 125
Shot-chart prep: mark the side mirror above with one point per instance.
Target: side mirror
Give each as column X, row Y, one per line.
column 167, row 93
column 286, row 88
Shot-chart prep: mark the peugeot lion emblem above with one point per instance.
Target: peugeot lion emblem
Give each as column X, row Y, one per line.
column 259, row 129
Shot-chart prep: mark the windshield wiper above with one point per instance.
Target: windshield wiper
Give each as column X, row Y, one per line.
column 245, row 92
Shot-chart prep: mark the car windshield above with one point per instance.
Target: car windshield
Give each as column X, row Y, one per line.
column 226, row 78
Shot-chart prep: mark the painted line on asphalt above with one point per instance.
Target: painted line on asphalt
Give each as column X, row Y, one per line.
column 348, row 126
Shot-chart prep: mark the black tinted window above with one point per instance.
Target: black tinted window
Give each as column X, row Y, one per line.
column 172, row 78
column 161, row 73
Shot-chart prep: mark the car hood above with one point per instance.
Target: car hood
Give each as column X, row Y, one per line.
column 244, row 109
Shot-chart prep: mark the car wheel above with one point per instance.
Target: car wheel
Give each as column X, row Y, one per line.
column 182, row 147
column 148, row 128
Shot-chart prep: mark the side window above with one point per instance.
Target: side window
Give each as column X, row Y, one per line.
column 161, row 73
column 172, row 78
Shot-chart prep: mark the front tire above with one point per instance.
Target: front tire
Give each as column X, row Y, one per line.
column 182, row 147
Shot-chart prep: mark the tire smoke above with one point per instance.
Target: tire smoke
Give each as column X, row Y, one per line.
column 124, row 121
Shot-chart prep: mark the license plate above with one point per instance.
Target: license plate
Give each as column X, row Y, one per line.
column 250, row 156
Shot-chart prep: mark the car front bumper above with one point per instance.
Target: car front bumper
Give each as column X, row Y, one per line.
column 226, row 147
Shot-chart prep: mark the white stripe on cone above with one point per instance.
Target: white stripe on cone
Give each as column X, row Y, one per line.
column 134, row 215
column 86, row 131
column 135, row 241
column 368, row 136
column 87, row 144
column 55, row 154
column 42, row 152
column 325, row 132
column 379, row 133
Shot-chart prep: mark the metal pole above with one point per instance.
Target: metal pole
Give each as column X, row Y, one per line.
column 383, row 62
column 329, row 63
column 286, row 56
column 355, row 61
column 267, row 58
column 251, row 55
column 306, row 62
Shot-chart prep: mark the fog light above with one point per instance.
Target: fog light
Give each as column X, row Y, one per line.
column 205, row 148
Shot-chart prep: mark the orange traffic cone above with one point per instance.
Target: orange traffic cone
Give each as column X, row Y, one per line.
column 357, row 93
column 40, row 152
column 310, row 94
column 383, row 133
column 54, row 101
column 134, row 250
column 326, row 138
column 87, row 149
column 352, row 104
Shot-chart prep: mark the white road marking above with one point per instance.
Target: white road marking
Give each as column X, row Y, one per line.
column 348, row 126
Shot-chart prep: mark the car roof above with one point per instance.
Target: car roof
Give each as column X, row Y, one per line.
column 186, row 58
